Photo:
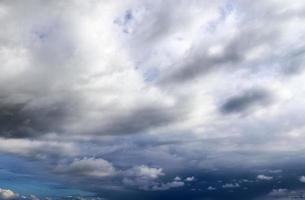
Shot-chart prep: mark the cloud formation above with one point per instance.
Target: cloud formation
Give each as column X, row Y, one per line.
column 132, row 94
column 7, row 194
column 93, row 167
column 245, row 101
column 264, row 177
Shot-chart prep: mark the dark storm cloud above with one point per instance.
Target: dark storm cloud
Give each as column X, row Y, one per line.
column 246, row 100
column 17, row 122
column 26, row 120
column 68, row 114
column 23, row 120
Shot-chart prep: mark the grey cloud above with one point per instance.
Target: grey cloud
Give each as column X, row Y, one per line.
column 197, row 66
column 169, row 185
column 26, row 120
column 90, row 167
column 293, row 63
column 38, row 149
column 232, row 59
column 252, row 35
column 142, row 177
column 246, row 100
column 140, row 120
column 54, row 86
column 283, row 194
column 146, row 178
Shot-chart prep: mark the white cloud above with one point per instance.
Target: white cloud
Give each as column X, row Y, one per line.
column 190, row 179
column 302, row 179
column 147, row 178
column 6, row 194
column 142, row 176
column 231, row 185
column 145, row 172
column 211, row 188
column 264, row 177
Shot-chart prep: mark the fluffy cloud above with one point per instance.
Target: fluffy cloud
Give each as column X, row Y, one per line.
column 7, row 194
column 93, row 167
column 147, row 178
column 264, row 177
column 190, row 179
column 211, row 188
column 142, row 176
column 145, row 171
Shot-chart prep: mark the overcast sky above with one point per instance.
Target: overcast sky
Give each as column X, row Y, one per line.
column 152, row 99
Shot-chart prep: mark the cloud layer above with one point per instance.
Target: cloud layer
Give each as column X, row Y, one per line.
column 133, row 94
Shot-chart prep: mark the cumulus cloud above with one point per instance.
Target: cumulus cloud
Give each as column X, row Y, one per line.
column 93, row 167
column 211, row 188
column 190, row 179
column 142, row 176
column 264, row 177
column 147, row 178
column 7, row 194
column 145, row 172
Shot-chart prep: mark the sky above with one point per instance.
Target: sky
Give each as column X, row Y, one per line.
column 152, row 100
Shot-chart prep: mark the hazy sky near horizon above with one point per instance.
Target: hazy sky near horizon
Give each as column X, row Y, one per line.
column 152, row 99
